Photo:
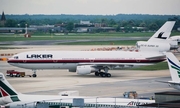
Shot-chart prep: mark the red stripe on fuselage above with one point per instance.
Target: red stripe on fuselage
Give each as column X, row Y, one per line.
column 86, row 61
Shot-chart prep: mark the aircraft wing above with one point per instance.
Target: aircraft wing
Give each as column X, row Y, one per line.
column 156, row 57
column 138, row 64
column 169, row 82
column 112, row 65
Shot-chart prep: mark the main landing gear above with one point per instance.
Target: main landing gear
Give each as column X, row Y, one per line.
column 34, row 74
column 103, row 74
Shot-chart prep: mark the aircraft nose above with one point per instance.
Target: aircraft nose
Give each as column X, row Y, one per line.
column 9, row 60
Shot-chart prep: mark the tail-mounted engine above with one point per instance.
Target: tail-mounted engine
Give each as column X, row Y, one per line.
column 150, row 46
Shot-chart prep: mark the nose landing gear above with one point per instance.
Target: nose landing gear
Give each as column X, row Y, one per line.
column 34, row 74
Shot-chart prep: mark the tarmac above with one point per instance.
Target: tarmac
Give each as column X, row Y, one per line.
column 52, row 82
column 54, row 42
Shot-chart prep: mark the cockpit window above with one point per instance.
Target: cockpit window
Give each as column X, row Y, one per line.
column 15, row 57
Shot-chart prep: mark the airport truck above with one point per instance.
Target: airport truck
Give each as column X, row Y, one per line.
column 130, row 94
column 13, row 73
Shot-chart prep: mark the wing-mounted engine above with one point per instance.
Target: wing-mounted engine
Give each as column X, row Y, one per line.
column 85, row 69
column 153, row 46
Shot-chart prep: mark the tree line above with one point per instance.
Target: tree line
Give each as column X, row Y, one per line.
column 150, row 22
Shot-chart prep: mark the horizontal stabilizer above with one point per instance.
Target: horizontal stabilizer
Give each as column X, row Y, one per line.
column 156, row 57
column 163, row 81
column 169, row 82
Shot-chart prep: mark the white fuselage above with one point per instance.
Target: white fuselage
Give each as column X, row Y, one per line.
column 29, row 99
column 70, row 59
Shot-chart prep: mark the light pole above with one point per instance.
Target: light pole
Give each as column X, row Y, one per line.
column 96, row 101
column 26, row 32
column 26, row 29
column 115, row 102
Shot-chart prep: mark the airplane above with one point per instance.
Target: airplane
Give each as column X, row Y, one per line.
column 86, row 62
column 175, row 38
column 174, row 68
column 161, row 39
column 10, row 98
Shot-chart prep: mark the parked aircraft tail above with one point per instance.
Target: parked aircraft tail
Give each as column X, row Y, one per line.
column 174, row 66
column 160, row 41
column 164, row 32
column 7, row 92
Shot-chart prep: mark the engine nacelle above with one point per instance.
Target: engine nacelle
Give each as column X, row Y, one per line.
column 153, row 46
column 21, row 105
column 175, row 38
column 85, row 69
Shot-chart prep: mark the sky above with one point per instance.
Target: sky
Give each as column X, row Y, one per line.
column 91, row 7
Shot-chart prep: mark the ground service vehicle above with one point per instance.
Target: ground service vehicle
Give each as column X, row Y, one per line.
column 13, row 73
column 130, row 94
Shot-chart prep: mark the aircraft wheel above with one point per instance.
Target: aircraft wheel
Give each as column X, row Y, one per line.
column 34, row 75
column 11, row 75
column 97, row 73
column 18, row 75
column 108, row 75
column 103, row 74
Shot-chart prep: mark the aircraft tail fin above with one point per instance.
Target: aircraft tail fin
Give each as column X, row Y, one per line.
column 174, row 66
column 6, row 90
column 164, row 32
